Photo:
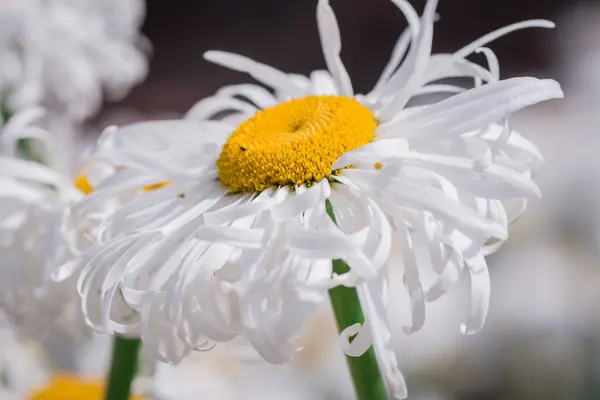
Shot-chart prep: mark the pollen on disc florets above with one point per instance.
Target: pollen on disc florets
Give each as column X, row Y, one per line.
column 294, row 143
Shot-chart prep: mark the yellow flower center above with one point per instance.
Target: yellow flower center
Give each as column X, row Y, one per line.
column 70, row 388
column 83, row 184
column 294, row 143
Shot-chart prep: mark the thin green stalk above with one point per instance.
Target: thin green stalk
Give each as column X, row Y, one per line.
column 123, row 368
column 364, row 370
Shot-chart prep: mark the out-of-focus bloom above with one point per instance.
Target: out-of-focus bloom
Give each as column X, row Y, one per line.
column 66, row 54
column 238, row 239
column 37, row 238
column 40, row 243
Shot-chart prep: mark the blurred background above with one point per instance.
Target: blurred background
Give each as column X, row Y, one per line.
column 542, row 339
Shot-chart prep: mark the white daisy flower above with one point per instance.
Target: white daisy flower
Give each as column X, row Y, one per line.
column 40, row 244
column 65, row 54
column 261, row 190
column 33, row 204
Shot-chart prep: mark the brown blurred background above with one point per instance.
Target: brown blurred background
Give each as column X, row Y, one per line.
column 284, row 34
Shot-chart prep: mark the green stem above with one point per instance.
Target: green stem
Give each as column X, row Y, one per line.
column 364, row 370
column 123, row 368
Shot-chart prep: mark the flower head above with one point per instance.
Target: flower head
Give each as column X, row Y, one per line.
column 64, row 55
column 33, row 201
column 39, row 243
column 259, row 195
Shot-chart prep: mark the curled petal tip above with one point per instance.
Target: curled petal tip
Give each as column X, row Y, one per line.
column 467, row 331
column 544, row 23
column 211, row 55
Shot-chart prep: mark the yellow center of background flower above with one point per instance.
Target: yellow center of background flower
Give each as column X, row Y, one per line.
column 83, row 184
column 294, row 143
column 70, row 388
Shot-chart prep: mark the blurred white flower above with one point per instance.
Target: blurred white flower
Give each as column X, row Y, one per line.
column 66, row 54
column 39, row 242
column 33, row 205
column 236, row 237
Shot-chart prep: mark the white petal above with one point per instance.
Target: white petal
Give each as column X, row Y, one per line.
column 246, row 206
column 331, row 43
column 376, row 151
column 412, row 281
column 296, row 204
column 208, row 107
column 245, row 238
column 473, row 109
column 493, row 64
column 430, row 89
column 158, row 336
column 444, row 66
column 400, row 47
column 480, row 295
column 261, row 72
column 12, row 190
column 362, row 340
column 398, row 53
column 18, row 127
column 407, row 193
column 374, row 308
column 482, row 41
column 469, row 175
column 31, row 171
column 321, row 83
column 408, row 78
column 318, row 245
column 261, row 97
column 455, row 247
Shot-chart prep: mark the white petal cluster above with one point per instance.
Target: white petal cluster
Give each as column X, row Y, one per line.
column 33, row 239
column 188, row 265
column 67, row 54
